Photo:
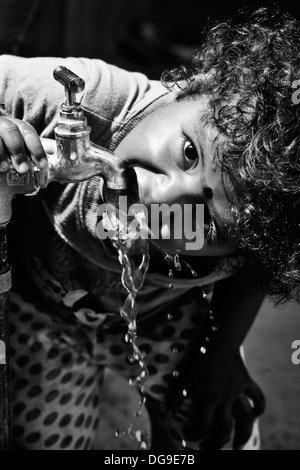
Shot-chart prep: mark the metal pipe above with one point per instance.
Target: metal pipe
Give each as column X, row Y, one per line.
column 5, row 395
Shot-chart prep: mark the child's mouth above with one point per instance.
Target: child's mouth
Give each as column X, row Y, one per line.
column 133, row 188
column 138, row 182
column 147, row 185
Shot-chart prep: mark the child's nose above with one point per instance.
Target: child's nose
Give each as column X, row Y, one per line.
column 175, row 187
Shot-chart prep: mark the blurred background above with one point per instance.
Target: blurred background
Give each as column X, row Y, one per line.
column 150, row 36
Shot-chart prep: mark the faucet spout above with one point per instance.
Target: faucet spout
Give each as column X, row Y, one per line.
column 111, row 168
column 77, row 158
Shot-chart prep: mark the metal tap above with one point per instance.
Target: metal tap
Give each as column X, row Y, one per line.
column 76, row 158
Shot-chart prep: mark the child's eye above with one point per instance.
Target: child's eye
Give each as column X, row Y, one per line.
column 190, row 154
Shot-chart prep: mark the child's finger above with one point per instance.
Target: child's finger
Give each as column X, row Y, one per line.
column 49, row 145
column 14, row 144
column 221, row 429
column 254, row 392
column 33, row 143
column 244, row 420
column 3, row 157
column 200, row 424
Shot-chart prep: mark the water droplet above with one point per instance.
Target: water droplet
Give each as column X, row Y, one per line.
column 131, row 359
column 174, row 350
column 184, row 393
column 193, row 273
column 214, row 328
column 120, row 432
column 175, row 373
column 131, row 326
column 144, row 445
column 183, row 443
column 142, row 403
column 145, row 441
column 170, row 316
column 176, row 262
column 207, row 339
column 133, row 275
column 203, row 350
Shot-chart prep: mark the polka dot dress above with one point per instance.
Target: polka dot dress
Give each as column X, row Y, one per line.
column 66, row 329
column 57, row 373
column 55, row 388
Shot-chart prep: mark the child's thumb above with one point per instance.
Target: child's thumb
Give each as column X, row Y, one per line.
column 49, row 145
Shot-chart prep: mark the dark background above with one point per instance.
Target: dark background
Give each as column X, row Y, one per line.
column 150, row 36
column 144, row 35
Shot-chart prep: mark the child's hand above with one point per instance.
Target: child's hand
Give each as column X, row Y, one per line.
column 19, row 142
column 223, row 400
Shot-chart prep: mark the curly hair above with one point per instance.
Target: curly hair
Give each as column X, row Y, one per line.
column 248, row 70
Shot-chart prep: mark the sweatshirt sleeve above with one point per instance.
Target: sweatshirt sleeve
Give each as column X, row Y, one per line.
column 28, row 91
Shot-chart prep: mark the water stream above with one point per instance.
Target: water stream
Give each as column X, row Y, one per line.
column 133, row 255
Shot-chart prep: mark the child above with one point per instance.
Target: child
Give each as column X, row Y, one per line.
column 223, row 132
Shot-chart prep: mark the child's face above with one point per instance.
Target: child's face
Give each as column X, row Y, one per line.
column 172, row 153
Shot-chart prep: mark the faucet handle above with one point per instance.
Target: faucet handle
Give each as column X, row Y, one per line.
column 71, row 82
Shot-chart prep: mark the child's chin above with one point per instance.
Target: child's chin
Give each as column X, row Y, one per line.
column 182, row 247
column 171, row 246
